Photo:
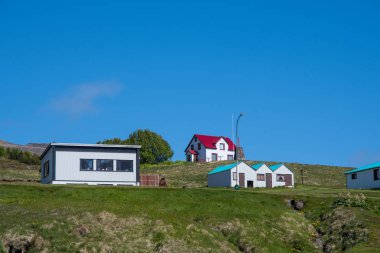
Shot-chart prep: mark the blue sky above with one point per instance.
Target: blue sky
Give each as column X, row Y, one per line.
column 306, row 75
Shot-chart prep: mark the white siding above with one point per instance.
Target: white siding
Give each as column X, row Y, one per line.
column 222, row 154
column 68, row 167
column 282, row 170
column 365, row 180
column 249, row 174
column 264, row 169
column 48, row 157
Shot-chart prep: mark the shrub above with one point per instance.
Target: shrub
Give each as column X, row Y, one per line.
column 357, row 200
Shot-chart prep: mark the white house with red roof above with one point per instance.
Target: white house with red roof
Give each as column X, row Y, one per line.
column 207, row 148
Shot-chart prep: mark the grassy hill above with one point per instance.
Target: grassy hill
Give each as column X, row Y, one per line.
column 50, row 218
column 195, row 174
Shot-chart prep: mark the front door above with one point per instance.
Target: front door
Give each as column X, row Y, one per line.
column 288, row 180
column 269, row 180
column 195, row 158
column 249, row 184
column 241, row 179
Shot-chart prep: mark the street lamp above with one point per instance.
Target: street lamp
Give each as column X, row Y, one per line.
column 236, row 153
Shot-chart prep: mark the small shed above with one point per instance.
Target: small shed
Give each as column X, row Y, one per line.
column 230, row 175
column 366, row 177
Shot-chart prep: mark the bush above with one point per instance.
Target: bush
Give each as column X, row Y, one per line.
column 357, row 200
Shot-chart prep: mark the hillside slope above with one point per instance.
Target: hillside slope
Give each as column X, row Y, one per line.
column 195, row 174
column 35, row 148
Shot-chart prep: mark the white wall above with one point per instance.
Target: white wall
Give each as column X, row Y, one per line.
column 222, row 154
column 68, row 167
column 48, row 157
column 250, row 174
column 264, row 169
column 364, row 180
column 282, row 170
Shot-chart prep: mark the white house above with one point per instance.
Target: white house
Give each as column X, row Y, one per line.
column 92, row 164
column 366, row 177
column 259, row 175
column 206, row 148
column 281, row 176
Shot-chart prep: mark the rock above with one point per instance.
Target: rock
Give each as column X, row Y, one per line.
column 297, row 204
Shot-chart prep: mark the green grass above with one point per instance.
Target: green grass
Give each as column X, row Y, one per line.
column 124, row 219
column 195, row 174
column 14, row 171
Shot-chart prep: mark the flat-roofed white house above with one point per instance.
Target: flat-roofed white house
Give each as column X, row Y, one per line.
column 207, row 148
column 92, row 164
column 258, row 175
column 366, row 177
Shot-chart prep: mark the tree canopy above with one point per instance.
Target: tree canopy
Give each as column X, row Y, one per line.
column 154, row 148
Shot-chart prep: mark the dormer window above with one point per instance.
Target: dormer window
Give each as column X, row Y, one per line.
column 222, row 146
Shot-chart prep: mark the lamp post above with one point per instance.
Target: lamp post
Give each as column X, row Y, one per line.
column 236, row 153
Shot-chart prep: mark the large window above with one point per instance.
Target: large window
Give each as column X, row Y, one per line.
column 86, row 164
column 376, row 174
column 280, row 177
column 222, row 146
column 104, row 165
column 46, row 169
column 214, row 157
column 260, row 177
column 354, row 176
column 124, row 165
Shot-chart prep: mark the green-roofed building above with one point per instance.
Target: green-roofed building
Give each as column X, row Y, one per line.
column 365, row 177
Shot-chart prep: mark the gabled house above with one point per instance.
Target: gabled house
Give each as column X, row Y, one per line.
column 366, row 177
column 207, row 148
column 258, row 175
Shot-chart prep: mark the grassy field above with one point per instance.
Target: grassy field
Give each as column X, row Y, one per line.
column 49, row 218
column 195, row 174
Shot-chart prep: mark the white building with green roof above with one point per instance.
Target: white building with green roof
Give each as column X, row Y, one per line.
column 258, row 175
column 366, row 177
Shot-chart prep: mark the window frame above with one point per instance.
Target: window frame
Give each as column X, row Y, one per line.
column 212, row 157
column 199, row 146
column 234, row 176
column 232, row 157
column 98, row 162
column 261, row 178
column 354, row 176
column 80, row 164
column 192, row 147
column 278, row 176
column 119, row 161
column 46, row 169
column 376, row 174
column 222, row 144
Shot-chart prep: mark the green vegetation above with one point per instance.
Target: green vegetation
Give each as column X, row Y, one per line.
column 19, row 155
column 154, row 149
column 180, row 174
column 15, row 171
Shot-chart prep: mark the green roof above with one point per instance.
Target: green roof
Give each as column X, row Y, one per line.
column 367, row 167
column 257, row 166
column 275, row 167
column 223, row 168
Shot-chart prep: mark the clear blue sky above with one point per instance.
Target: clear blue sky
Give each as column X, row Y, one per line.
column 307, row 75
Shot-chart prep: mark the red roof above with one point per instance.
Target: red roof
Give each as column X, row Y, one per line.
column 193, row 152
column 210, row 141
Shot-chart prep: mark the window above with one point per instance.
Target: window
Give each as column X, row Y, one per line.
column 260, row 177
column 86, row 164
column 214, row 157
column 222, row 146
column 192, row 147
column 188, row 158
column 124, row 165
column 199, row 146
column 46, row 169
column 280, row 178
column 195, row 139
column 376, row 175
column 234, row 177
column 354, row 176
column 230, row 157
column 104, row 165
